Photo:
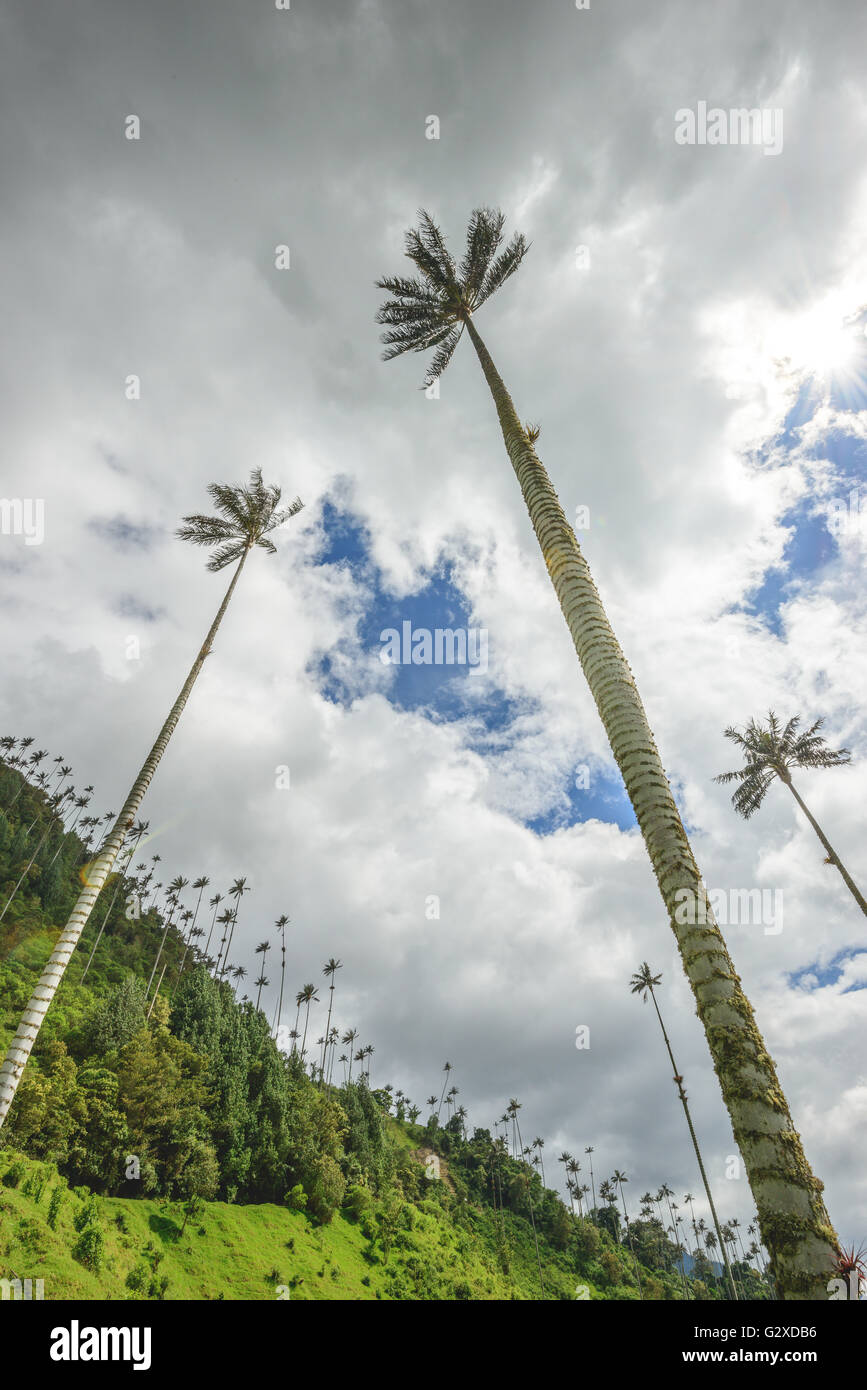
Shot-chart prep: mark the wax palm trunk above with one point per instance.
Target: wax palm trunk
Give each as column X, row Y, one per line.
column 28, row 1029
column 795, row 1226
column 832, row 854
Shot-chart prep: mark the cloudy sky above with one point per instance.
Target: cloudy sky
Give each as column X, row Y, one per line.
column 688, row 330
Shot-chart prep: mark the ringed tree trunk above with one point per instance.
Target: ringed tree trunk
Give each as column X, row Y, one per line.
column 45, row 990
column 794, row 1223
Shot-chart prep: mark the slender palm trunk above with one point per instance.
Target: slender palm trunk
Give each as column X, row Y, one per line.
column 282, row 979
column 157, row 990
column 795, row 1225
column 829, row 850
column 440, row 1106
column 677, row 1242
column 31, row 1021
column 188, row 939
column 211, row 932
column 46, row 832
column 325, row 1039
column 21, row 785
column 683, row 1100
column 166, row 924
column 66, row 836
column 120, row 878
column 631, row 1246
column 532, row 1215
column 225, row 964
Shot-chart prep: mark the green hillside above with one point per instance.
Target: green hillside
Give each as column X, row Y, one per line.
column 161, row 1145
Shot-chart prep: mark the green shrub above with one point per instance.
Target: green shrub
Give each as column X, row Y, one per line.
column 89, row 1249
column 55, row 1202
column 87, row 1214
column 14, row 1174
column 138, row 1277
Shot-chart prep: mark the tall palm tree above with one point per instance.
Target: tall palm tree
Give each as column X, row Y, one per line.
column 645, row 983
column 333, row 1038
column 573, row 1168
column 540, row 1144
column 214, row 902
column 688, row 1198
column 55, row 808
column 225, row 920
column 432, row 312
column 281, row 923
column 447, row 1068
column 137, row 831
column 589, row 1151
column 771, row 753
column 512, row 1110
column 176, row 887
column 619, row 1179
column 261, row 982
column 308, row 996
column 262, row 950
column 349, row 1039
column 201, row 883
column 666, row 1193
column 238, row 974
column 330, row 970
column 237, row 891
column 247, row 515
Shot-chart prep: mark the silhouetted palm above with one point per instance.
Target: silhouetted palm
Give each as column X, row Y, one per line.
column 770, row 753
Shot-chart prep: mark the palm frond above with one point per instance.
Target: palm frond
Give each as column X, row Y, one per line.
column 442, row 356
column 408, row 289
column 414, row 342
column 484, row 235
column 225, row 555
column 205, row 530
column 433, row 241
column 430, row 267
column 504, row 266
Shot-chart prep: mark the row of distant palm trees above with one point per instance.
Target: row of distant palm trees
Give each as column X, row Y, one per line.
column 511, row 1143
column 432, row 312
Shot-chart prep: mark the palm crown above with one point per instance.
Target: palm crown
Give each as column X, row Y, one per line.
column 771, row 752
column 644, row 980
column 431, row 312
column 248, row 513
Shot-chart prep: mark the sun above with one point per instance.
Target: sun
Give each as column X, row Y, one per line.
column 820, row 343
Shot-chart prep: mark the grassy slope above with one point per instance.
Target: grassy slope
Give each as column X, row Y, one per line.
column 243, row 1252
